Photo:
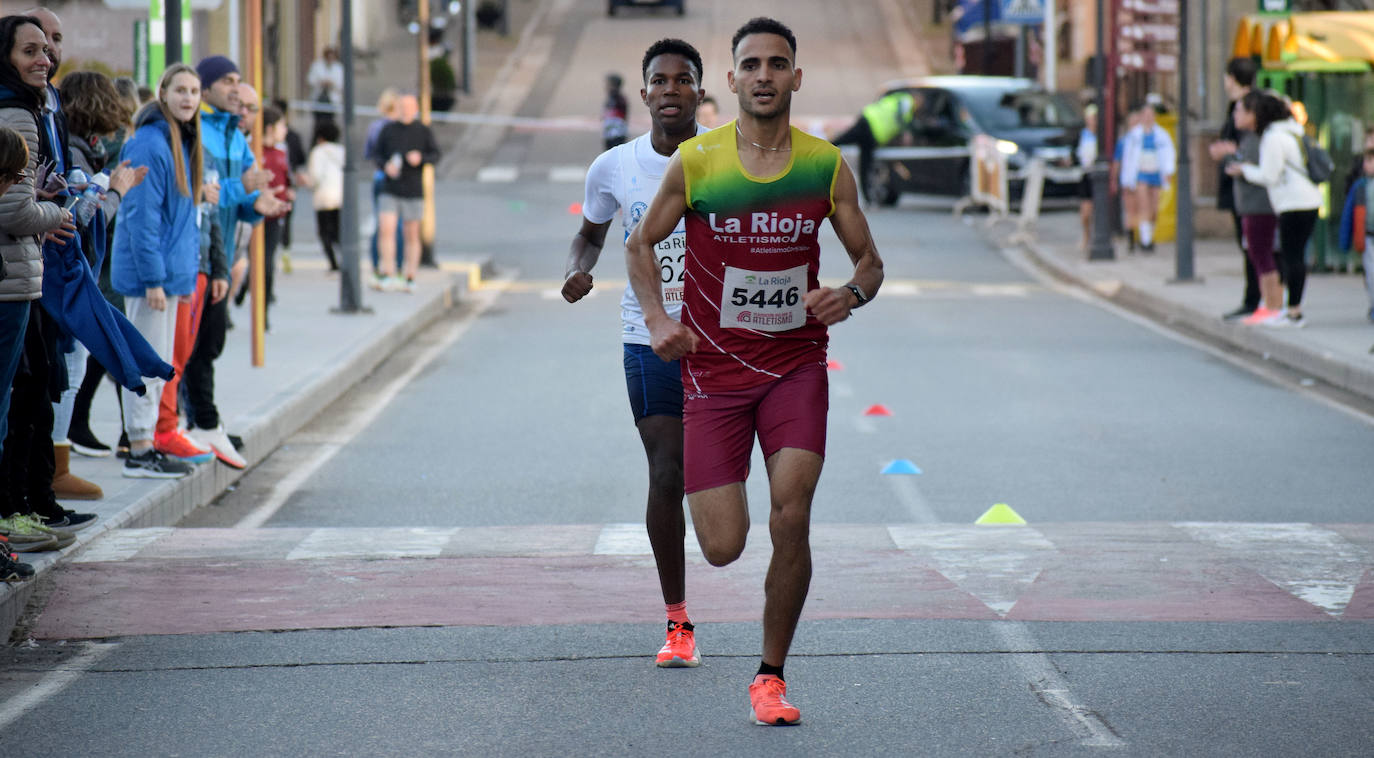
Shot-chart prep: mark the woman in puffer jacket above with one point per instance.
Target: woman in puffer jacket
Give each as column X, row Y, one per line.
column 26, row 462
column 156, row 254
column 1282, row 169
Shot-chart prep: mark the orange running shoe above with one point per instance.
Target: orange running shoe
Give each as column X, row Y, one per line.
column 680, row 651
column 768, row 696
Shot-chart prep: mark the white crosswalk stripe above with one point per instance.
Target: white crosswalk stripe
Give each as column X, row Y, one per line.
column 1314, row 564
column 498, row 174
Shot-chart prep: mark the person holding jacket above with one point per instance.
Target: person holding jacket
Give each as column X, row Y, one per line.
column 1282, row 170
column 93, row 109
column 226, row 152
column 156, row 254
column 879, row 123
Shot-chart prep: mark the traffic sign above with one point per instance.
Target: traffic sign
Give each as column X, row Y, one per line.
column 1026, row 12
column 1150, row 32
column 1146, row 60
column 1161, row 7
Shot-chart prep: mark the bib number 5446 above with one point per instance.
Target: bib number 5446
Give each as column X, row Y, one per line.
column 741, row 296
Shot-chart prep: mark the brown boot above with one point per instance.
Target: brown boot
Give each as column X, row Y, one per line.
column 65, row 484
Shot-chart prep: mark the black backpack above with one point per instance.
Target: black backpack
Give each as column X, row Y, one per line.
column 1317, row 161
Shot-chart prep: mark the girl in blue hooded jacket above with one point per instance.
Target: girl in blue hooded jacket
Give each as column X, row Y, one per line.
column 156, row 252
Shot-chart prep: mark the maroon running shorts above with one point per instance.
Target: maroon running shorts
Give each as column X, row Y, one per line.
column 718, row 430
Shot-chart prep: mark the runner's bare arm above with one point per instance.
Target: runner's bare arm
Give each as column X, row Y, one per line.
column 669, row 339
column 586, row 250
column 832, row 304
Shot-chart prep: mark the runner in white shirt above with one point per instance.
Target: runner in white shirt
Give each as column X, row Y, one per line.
column 626, row 178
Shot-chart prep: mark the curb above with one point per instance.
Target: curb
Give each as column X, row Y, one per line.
column 1337, row 370
column 280, row 416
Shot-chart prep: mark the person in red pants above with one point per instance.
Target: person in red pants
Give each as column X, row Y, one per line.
column 212, row 281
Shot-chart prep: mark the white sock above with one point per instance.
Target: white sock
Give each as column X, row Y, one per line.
column 1147, row 232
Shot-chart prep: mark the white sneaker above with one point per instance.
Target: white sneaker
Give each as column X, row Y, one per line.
column 394, row 284
column 218, row 441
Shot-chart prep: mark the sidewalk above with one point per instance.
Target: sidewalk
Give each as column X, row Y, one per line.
column 1334, row 347
column 313, row 357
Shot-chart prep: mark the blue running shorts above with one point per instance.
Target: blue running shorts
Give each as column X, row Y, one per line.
column 655, row 385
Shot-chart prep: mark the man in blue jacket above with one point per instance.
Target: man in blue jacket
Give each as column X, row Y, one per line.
column 227, row 153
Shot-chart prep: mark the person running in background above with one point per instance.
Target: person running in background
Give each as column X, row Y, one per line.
column 408, row 146
column 1282, row 170
column 1237, row 81
column 324, row 176
column 615, row 113
column 623, row 180
column 754, row 326
column 1147, row 163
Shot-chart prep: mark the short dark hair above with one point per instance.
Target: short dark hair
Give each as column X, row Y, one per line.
column 1267, row 107
column 1243, row 70
column 271, row 115
column 764, row 25
column 328, row 130
column 671, row 46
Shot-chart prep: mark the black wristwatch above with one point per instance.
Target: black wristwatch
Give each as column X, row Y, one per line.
column 858, row 294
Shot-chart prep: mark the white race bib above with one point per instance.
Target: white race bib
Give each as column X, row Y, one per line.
column 672, row 258
column 1149, row 161
column 766, row 301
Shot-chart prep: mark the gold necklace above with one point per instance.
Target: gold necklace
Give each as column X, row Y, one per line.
column 761, row 147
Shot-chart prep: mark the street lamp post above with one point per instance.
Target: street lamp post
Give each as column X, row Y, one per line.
column 350, row 289
column 1101, row 248
column 1183, row 258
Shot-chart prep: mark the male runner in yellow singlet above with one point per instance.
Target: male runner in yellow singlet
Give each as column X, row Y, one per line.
column 752, row 339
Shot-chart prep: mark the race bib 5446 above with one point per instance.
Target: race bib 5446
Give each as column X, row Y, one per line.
column 766, row 301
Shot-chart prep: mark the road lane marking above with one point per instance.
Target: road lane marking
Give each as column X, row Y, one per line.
column 54, row 682
column 633, row 539
column 501, row 174
column 567, row 174
column 1052, row 690
column 994, row 564
column 283, row 489
column 418, row 542
column 121, row 544
column 1316, row 565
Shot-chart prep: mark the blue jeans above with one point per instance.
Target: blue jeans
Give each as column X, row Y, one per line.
column 14, row 321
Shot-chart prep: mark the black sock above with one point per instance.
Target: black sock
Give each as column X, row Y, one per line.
column 773, row 670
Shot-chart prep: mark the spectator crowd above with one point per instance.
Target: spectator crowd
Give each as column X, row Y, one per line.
column 125, row 220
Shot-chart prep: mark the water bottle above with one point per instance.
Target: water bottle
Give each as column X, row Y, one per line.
column 210, row 176
column 89, row 202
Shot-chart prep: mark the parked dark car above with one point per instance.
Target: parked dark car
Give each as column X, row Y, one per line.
column 932, row 155
column 680, row 5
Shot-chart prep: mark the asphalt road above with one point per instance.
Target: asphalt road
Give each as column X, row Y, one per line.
column 465, row 575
